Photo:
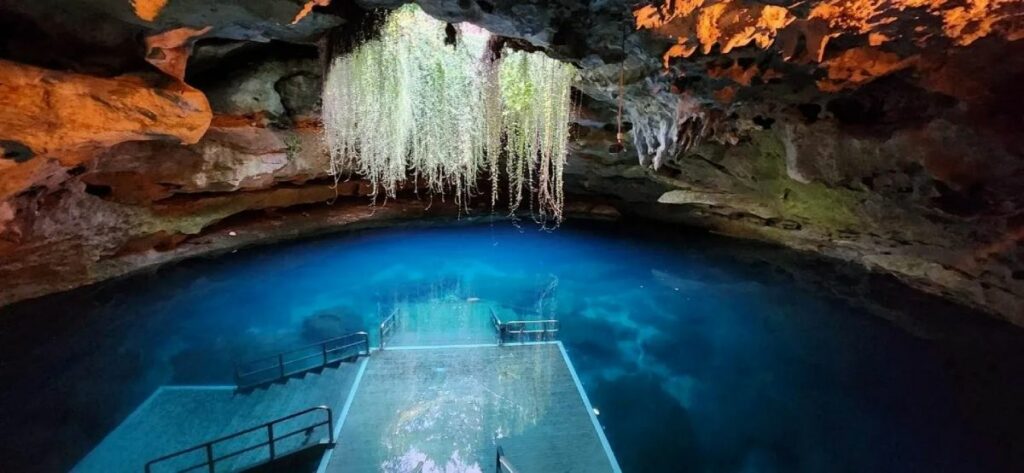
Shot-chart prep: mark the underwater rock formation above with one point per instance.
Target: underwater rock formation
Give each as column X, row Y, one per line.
column 883, row 133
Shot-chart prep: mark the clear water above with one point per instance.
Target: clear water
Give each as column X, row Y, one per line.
column 701, row 354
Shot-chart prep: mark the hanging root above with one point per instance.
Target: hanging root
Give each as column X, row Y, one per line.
column 405, row 103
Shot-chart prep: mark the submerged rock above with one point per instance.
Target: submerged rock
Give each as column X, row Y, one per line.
column 330, row 323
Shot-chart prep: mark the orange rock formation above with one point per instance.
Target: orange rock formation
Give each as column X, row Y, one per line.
column 705, row 23
column 169, row 51
column 148, row 9
column 308, row 8
column 701, row 24
column 857, row 66
column 64, row 116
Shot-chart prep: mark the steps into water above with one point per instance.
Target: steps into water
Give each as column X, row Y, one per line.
column 179, row 417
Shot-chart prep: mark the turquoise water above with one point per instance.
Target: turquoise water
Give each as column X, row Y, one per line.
column 701, row 354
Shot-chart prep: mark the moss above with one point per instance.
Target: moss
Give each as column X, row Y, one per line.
column 815, row 203
column 293, row 146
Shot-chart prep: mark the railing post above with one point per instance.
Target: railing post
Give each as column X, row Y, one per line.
column 280, row 363
column 330, row 419
column 209, row 457
column 323, row 348
column 270, row 437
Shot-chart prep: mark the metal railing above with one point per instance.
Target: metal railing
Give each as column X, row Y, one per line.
column 525, row 330
column 388, row 327
column 210, row 460
column 275, row 367
column 501, row 463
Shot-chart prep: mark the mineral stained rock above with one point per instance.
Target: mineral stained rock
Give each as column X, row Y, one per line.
column 888, row 134
column 66, row 117
column 51, row 112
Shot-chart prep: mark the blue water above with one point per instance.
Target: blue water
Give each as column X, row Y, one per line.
column 701, row 354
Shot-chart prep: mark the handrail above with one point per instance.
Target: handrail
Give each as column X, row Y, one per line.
column 519, row 328
column 501, row 463
column 328, row 351
column 496, row 321
column 211, row 461
column 388, row 327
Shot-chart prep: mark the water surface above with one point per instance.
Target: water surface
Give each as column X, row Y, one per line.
column 701, row 354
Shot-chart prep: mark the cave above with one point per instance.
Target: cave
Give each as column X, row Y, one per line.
column 417, row 236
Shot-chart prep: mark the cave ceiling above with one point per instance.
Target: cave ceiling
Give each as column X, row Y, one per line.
column 890, row 133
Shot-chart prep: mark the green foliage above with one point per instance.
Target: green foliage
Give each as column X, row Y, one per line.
column 407, row 107
column 293, row 146
column 536, row 117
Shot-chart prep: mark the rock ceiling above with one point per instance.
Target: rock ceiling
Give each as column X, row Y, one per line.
column 888, row 133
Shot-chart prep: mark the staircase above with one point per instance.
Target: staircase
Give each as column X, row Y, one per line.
column 254, row 446
column 183, row 418
column 326, row 407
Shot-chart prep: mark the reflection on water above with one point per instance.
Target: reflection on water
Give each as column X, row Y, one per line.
column 449, row 409
column 700, row 354
column 415, row 460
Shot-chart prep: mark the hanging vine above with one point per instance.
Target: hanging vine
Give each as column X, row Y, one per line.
column 405, row 107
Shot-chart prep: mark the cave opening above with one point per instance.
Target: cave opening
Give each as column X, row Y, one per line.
column 415, row 236
column 424, row 100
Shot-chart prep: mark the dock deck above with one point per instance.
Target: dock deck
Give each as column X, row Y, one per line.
column 448, row 408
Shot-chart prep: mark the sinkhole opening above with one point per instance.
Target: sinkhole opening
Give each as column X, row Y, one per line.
column 452, row 111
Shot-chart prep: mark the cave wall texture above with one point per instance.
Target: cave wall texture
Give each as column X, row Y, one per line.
column 889, row 133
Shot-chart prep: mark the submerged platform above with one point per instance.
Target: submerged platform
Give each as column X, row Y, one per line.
column 433, row 323
column 178, row 417
column 444, row 408
column 437, row 408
